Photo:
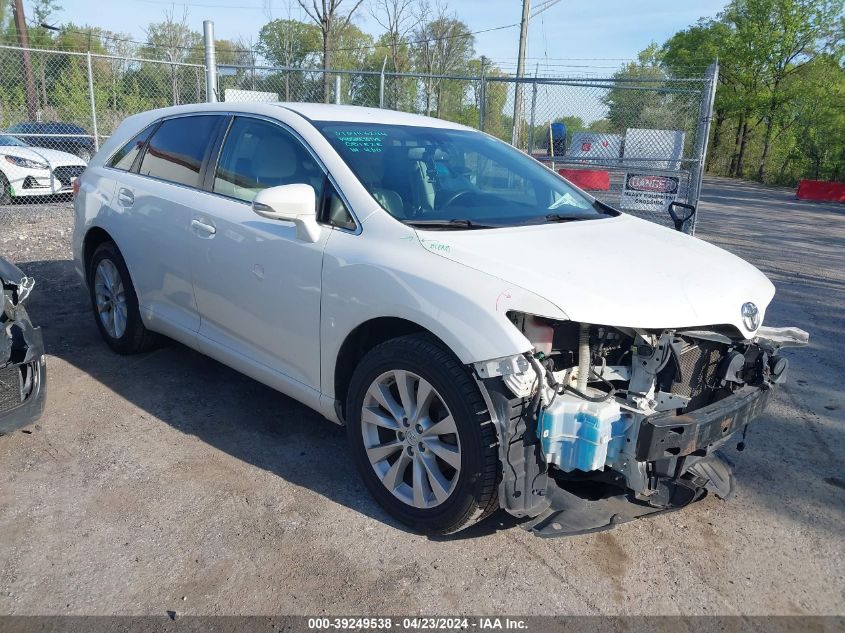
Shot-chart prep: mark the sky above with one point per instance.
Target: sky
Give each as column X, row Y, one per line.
column 561, row 39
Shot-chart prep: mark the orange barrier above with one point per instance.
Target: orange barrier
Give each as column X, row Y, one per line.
column 587, row 179
column 821, row 190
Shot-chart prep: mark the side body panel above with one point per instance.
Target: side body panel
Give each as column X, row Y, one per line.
column 391, row 273
column 157, row 222
column 258, row 287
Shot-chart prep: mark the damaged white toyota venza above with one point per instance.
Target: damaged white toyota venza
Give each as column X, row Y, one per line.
column 491, row 336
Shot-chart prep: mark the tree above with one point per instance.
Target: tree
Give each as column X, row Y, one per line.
column 774, row 39
column 173, row 39
column 328, row 17
column 41, row 37
column 629, row 108
column 289, row 43
column 780, row 86
column 686, row 53
column 810, row 140
column 443, row 45
column 398, row 19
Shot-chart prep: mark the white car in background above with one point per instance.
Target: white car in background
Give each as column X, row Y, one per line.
column 26, row 170
column 490, row 335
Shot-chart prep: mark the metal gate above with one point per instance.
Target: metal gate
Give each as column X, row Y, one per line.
column 635, row 143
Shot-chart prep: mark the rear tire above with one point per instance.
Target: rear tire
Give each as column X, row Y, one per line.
column 427, row 451
column 115, row 303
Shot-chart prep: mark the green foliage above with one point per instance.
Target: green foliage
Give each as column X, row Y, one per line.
column 290, row 43
column 778, row 113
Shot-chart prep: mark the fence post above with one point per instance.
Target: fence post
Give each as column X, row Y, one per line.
column 381, row 84
column 337, row 89
column 533, row 112
column 702, row 134
column 93, row 103
column 482, row 97
column 174, row 89
column 210, row 62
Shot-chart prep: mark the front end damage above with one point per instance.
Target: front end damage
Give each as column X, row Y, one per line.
column 23, row 376
column 599, row 425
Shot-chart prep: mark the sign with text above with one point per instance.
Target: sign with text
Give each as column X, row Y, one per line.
column 649, row 192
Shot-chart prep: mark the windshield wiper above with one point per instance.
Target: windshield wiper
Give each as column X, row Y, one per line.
column 557, row 217
column 447, row 224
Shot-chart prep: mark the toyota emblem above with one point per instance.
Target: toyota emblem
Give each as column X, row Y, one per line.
column 750, row 316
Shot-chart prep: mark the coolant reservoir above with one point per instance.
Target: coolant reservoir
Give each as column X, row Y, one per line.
column 575, row 433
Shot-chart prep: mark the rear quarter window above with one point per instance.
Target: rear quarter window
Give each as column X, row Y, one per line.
column 125, row 156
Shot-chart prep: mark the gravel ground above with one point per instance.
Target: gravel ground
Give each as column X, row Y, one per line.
column 169, row 482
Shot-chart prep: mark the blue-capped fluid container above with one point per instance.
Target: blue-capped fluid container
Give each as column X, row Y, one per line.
column 576, row 433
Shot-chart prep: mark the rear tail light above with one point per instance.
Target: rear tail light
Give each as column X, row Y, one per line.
column 75, row 187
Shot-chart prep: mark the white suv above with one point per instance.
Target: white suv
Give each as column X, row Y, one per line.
column 490, row 335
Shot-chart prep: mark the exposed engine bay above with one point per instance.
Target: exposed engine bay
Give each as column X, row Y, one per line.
column 600, row 425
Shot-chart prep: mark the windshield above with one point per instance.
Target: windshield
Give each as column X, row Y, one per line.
column 11, row 140
column 458, row 178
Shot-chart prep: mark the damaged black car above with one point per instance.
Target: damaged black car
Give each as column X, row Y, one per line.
column 23, row 372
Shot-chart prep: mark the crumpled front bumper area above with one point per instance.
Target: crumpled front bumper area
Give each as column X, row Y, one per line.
column 682, row 397
column 23, row 375
column 690, row 440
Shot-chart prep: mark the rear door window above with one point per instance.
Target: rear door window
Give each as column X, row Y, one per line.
column 259, row 154
column 177, row 148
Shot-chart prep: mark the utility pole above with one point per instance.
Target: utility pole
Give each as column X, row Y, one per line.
column 29, row 79
column 520, row 73
column 210, row 62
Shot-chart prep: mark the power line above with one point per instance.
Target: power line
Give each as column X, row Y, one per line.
column 102, row 35
column 543, row 6
column 202, row 6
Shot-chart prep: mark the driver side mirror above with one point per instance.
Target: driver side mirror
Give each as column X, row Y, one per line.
column 291, row 203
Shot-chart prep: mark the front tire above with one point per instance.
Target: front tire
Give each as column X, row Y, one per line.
column 115, row 303
column 421, row 436
column 5, row 190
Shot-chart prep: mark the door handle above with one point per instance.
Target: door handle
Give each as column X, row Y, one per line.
column 125, row 197
column 203, row 227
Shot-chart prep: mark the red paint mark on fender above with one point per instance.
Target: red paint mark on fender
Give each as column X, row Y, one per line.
column 506, row 294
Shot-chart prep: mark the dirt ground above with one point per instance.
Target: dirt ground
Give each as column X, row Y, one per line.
column 167, row 482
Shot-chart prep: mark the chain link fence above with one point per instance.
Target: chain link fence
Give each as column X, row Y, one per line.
column 57, row 107
column 636, row 143
column 88, row 93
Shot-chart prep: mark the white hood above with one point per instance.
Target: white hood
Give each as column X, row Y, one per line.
column 53, row 157
column 619, row 271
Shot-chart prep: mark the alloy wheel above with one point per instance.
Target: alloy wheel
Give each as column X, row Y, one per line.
column 110, row 298
column 411, row 439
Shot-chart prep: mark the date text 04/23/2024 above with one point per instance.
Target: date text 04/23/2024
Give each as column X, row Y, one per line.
column 420, row 623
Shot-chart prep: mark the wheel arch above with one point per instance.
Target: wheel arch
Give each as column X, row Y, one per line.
column 4, row 178
column 362, row 339
column 95, row 236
